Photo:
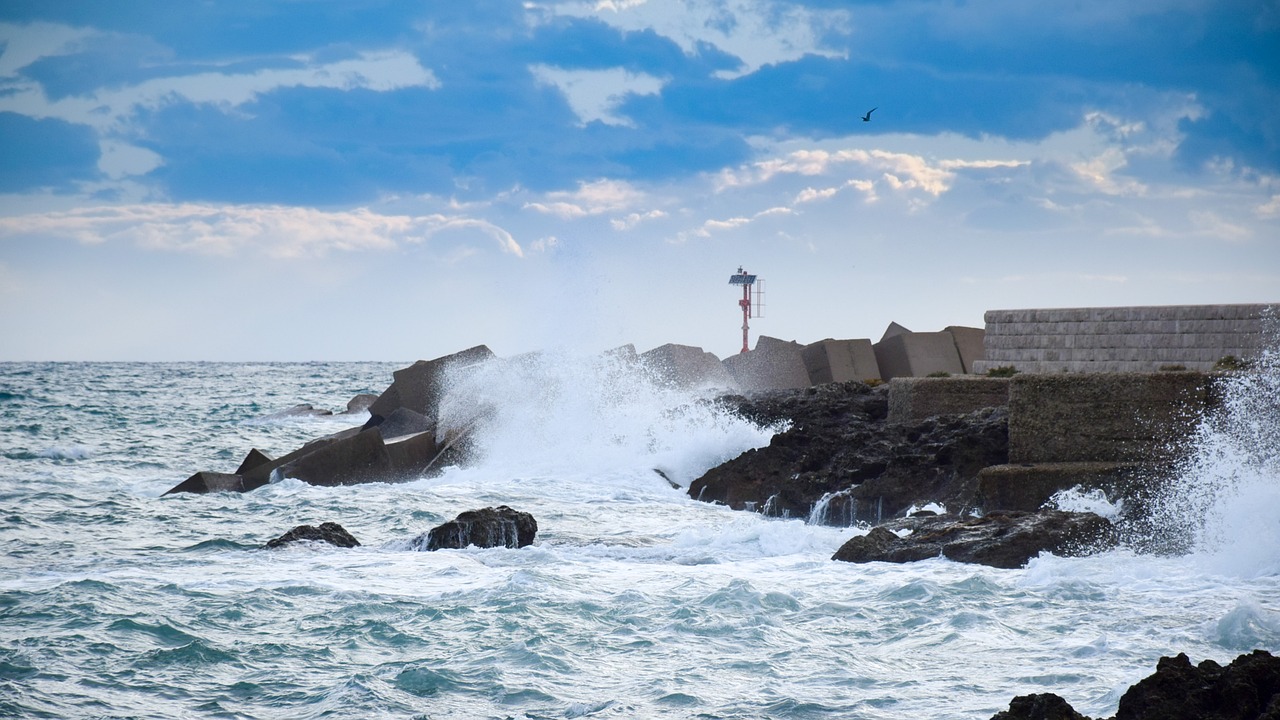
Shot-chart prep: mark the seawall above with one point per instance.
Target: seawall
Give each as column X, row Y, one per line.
column 1121, row 339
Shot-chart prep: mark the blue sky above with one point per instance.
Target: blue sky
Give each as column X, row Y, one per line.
column 316, row 180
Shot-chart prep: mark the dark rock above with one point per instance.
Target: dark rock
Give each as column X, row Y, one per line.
column 1041, row 706
column 329, row 532
column 839, row 450
column 488, row 527
column 360, row 403
column 999, row 540
column 298, row 411
column 1246, row 689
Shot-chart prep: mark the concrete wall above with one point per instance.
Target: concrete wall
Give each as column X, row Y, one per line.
column 840, row 361
column 913, row 399
column 1105, row 417
column 1121, row 339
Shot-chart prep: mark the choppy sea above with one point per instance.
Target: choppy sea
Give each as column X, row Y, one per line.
column 635, row 601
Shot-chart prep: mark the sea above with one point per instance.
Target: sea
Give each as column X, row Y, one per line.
column 635, row 601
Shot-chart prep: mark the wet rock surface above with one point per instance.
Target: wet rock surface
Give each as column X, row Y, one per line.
column 488, row 527
column 842, row 456
column 329, row 532
column 1246, row 689
column 1003, row 540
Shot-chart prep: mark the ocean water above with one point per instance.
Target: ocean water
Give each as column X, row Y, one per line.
column 635, row 601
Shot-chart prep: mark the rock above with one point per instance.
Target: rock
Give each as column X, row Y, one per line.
column 1248, row 688
column 298, row 411
column 999, row 540
column 328, row 532
column 488, row 527
column 360, row 403
column 839, row 455
column 1041, row 706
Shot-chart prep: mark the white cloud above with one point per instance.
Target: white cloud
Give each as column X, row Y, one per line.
column 118, row 160
column 1211, row 224
column 902, row 171
column 109, row 110
column 591, row 198
column 1269, row 209
column 758, row 33
column 273, row 231
column 594, row 95
column 25, row 44
column 631, row 220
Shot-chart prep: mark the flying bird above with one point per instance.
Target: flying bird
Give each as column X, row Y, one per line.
column 867, row 117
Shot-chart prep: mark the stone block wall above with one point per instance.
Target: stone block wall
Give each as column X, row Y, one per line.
column 1121, row 339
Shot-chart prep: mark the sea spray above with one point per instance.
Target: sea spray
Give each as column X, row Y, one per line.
column 1224, row 503
column 545, row 413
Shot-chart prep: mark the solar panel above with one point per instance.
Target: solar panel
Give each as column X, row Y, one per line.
column 740, row 279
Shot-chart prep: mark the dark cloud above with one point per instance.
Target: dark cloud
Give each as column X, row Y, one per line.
column 44, row 153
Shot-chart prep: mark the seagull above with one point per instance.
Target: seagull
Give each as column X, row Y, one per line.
column 867, row 117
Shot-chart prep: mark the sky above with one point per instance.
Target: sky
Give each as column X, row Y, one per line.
column 294, row 180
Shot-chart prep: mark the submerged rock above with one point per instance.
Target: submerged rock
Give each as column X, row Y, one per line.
column 328, row 532
column 1246, row 689
column 486, row 528
column 1003, row 540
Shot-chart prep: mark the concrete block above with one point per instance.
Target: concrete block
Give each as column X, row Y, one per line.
column 840, row 361
column 360, row 458
column 254, row 459
column 207, row 482
column 1104, row 417
column 914, row 399
column 917, row 355
column 970, row 343
column 419, row 387
column 685, row 366
column 1028, row 487
column 773, row 365
column 893, row 330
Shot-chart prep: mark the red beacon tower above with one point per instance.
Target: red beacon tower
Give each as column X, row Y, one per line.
column 751, row 308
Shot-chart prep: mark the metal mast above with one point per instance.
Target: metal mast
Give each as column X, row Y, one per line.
column 746, row 280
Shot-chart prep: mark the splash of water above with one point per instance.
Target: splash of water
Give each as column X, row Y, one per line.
column 1226, row 497
column 567, row 414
